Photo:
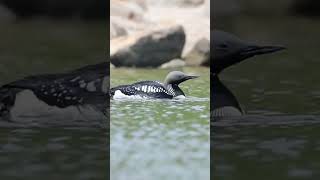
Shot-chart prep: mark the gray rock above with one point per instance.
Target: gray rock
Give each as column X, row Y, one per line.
column 127, row 9
column 181, row 3
column 116, row 30
column 175, row 63
column 149, row 48
column 200, row 54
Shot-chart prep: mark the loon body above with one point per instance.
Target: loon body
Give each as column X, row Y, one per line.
column 81, row 94
column 153, row 89
column 227, row 51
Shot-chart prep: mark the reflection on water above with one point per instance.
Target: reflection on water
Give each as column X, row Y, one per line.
column 53, row 153
column 161, row 139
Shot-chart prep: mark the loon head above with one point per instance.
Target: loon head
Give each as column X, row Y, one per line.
column 229, row 50
column 177, row 77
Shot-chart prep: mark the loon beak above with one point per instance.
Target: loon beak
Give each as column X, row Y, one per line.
column 257, row 50
column 191, row 77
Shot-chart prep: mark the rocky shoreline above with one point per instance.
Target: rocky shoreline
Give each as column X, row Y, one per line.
column 159, row 34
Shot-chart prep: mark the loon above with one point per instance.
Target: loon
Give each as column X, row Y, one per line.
column 227, row 51
column 81, row 94
column 153, row 89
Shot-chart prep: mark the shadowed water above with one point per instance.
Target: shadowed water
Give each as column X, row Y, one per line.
column 161, row 139
column 261, row 147
column 53, row 153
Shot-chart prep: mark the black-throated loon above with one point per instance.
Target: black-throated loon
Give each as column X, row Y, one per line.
column 227, row 51
column 81, row 94
column 153, row 89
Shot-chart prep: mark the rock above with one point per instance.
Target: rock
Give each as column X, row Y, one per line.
column 149, row 48
column 194, row 21
column 207, row 8
column 127, row 9
column 127, row 25
column 116, row 30
column 180, row 3
column 175, row 63
column 200, row 54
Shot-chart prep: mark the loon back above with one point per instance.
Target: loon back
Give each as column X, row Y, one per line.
column 152, row 89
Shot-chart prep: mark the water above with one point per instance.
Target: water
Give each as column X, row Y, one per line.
column 53, row 153
column 261, row 147
column 160, row 139
column 278, row 139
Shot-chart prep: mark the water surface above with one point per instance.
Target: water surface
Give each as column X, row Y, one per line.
column 160, row 139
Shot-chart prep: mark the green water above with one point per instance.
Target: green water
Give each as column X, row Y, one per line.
column 160, row 139
column 284, row 85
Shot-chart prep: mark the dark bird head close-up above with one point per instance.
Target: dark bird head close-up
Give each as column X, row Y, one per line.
column 229, row 50
column 177, row 77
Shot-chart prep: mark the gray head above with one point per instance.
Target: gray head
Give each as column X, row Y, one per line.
column 229, row 50
column 177, row 77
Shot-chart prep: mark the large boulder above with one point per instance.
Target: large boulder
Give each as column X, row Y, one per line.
column 149, row 48
column 173, row 64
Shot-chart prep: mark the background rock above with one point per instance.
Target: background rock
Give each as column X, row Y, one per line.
column 194, row 20
column 126, row 9
column 140, row 18
column 180, row 3
column 116, row 30
column 148, row 48
column 200, row 54
column 175, row 63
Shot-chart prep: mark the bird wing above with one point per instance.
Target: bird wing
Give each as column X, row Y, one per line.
column 144, row 88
